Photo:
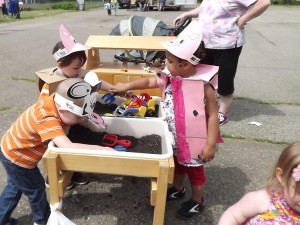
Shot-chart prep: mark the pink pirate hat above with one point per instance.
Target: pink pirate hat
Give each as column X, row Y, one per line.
column 186, row 43
column 69, row 42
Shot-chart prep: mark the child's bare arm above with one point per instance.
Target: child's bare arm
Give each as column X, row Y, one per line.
column 146, row 82
column 105, row 86
column 64, row 142
column 211, row 110
column 247, row 207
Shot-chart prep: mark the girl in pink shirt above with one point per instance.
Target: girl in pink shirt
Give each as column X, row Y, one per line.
column 191, row 117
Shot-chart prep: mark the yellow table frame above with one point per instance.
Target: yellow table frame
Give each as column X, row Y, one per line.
column 160, row 171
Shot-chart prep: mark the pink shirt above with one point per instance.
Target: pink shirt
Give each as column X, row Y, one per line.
column 218, row 19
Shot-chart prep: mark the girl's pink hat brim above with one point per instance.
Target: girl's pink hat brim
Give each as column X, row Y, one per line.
column 186, row 43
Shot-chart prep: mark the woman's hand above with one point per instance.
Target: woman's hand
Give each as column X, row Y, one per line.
column 241, row 23
column 179, row 19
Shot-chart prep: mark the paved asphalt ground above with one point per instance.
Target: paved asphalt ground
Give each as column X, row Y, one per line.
column 267, row 91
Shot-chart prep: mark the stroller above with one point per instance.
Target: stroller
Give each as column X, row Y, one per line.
column 144, row 26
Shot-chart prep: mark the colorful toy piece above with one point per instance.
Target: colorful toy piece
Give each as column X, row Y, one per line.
column 135, row 106
column 120, row 148
column 136, row 102
column 145, row 96
column 150, row 102
column 123, row 110
column 109, row 98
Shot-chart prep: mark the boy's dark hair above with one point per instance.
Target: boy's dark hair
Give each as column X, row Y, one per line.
column 67, row 60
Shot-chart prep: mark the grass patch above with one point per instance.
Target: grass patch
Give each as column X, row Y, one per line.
column 25, row 15
column 268, row 141
column 23, row 79
column 32, row 11
column 4, row 108
column 286, row 2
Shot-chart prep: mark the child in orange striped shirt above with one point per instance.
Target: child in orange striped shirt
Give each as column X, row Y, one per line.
column 25, row 142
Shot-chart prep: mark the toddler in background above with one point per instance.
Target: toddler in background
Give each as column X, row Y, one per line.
column 107, row 7
column 115, row 6
column 277, row 203
column 3, row 8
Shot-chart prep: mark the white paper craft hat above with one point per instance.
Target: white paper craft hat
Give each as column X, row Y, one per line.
column 186, row 43
column 87, row 89
column 69, row 42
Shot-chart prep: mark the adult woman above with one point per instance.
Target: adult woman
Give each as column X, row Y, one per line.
column 223, row 25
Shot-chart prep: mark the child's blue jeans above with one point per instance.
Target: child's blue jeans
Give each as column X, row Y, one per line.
column 30, row 182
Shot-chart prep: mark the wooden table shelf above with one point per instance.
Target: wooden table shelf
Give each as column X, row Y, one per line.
column 117, row 72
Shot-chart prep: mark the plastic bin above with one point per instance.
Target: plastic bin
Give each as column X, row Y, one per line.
column 132, row 127
column 158, row 167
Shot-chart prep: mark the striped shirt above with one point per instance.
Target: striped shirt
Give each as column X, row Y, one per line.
column 27, row 139
column 45, row 91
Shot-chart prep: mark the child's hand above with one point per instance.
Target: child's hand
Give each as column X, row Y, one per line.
column 120, row 88
column 208, row 153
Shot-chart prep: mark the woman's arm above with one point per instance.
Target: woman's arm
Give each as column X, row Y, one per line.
column 256, row 10
column 247, row 207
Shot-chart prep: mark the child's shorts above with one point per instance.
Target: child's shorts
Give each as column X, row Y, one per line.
column 196, row 174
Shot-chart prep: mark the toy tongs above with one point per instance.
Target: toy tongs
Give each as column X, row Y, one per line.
column 112, row 140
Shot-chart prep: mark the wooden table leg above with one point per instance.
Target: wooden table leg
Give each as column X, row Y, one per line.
column 162, row 185
column 53, row 176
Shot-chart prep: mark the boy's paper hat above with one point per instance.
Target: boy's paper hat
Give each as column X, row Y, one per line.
column 186, row 43
column 69, row 42
column 86, row 89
